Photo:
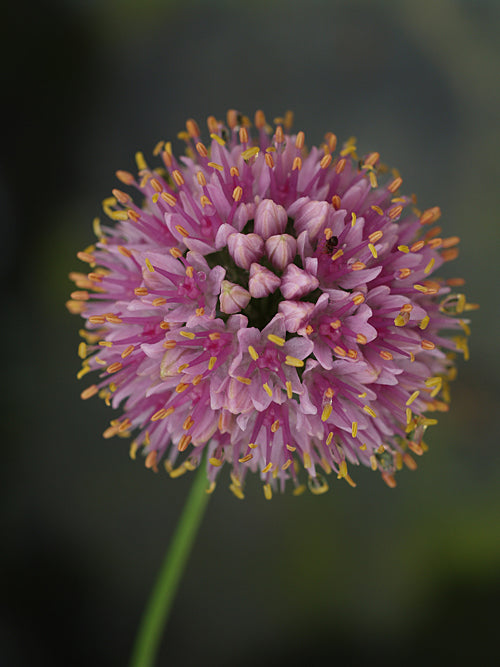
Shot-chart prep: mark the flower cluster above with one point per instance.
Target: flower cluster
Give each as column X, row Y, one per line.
column 271, row 305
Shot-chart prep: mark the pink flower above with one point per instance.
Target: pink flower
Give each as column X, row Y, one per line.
column 272, row 306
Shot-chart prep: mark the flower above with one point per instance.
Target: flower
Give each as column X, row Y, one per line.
column 271, row 305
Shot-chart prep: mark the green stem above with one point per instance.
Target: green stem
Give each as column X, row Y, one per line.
column 160, row 602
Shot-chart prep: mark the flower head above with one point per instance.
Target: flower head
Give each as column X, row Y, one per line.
column 272, row 305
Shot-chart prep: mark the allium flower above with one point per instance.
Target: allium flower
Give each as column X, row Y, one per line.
column 271, row 305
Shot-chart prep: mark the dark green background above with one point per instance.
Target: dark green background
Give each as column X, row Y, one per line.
column 357, row 576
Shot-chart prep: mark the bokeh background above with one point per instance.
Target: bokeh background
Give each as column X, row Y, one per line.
column 356, row 576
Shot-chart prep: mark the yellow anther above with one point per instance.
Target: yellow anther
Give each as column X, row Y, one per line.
column 373, row 250
column 291, row 448
column 218, row 139
column 211, row 363
column 377, row 209
column 373, row 179
column 140, row 161
column 188, row 334
column 182, row 367
column 250, row 152
column 354, row 429
column 244, row 380
column 409, row 416
column 329, row 438
column 401, row 320
column 159, row 301
column 373, row 462
column 237, row 193
column 289, row 392
column 83, row 371
column 82, row 350
column 307, row 460
column 412, row 397
column 338, row 254
column 353, row 219
column 287, row 464
column 370, row 411
column 268, row 467
column 293, row 361
column 358, row 299
column 268, row 389
column 268, row 491
column 149, row 265
column 429, row 266
column 205, row 201
column 275, row 426
column 189, row 271
column 133, row 450
column 342, row 469
column 234, row 171
column 243, row 135
column 106, row 343
column 327, row 411
column 421, row 288
column 424, row 322
column 215, row 165
column 363, row 447
column 297, row 164
column 215, row 462
column 182, row 386
column 403, row 248
column 178, row 472
column 252, row 353
column 252, row 445
column 299, row 490
column 237, row 491
column 276, row 340
column 245, row 459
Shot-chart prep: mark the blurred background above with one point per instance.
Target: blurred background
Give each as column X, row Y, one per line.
column 357, row 576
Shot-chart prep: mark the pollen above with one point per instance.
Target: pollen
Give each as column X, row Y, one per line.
column 293, row 361
column 276, row 340
column 413, row 397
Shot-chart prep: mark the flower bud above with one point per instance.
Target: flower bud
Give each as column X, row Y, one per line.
column 281, row 249
column 270, row 219
column 245, row 248
column 233, row 298
column 262, row 281
column 295, row 282
column 295, row 313
column 312, row 217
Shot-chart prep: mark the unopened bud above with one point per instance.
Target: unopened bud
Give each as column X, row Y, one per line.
column 233, row 298
column 270, row 219
column 245, row 248
column 281, row 249
column 262, row 281
column 295, row 282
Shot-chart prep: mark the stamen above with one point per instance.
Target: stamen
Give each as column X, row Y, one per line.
column 412, row 398
column 293, row 361
column 276, row 340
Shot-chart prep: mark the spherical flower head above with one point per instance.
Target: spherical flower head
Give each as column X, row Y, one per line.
column 272, row 306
